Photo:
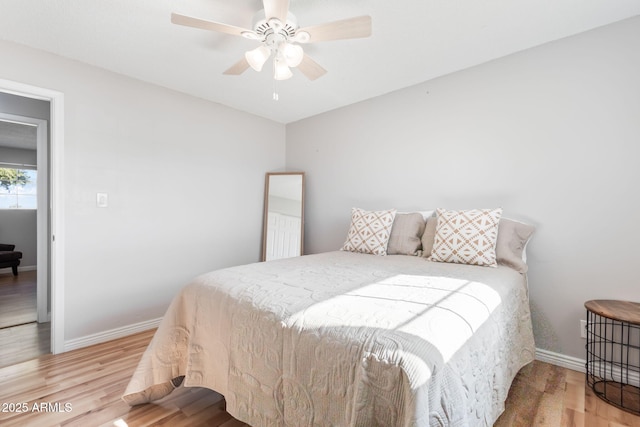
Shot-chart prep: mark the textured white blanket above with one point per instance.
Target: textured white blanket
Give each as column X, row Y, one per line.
column 346, row 339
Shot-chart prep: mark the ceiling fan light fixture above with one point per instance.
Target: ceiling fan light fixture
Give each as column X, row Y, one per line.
column 257, row 57
column 280, row 70
column 302, row 37
column 292, row 54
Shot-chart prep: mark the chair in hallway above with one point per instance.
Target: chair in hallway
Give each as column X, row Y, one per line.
column 9, row 257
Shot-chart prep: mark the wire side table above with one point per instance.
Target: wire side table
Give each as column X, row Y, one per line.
column 613, row 352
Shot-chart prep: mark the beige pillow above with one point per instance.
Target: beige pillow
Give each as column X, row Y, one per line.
column 429, row 235
column 405, row 234
column 512, row 238
column 369, row 231
column 467, row 237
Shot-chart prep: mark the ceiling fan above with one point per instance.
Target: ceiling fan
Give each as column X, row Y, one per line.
column 280, row 37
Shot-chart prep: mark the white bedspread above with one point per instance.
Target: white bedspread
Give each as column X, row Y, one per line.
column 346, row 339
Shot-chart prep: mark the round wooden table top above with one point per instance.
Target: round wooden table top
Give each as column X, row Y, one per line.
column 624, row 311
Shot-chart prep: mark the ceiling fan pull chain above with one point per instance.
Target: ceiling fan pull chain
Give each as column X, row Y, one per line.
column 275, row 90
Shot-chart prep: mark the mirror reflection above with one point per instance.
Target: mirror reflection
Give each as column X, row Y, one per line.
column 283, row 215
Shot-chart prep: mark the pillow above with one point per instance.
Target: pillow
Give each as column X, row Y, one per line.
column 467, row 237
column 369, row 231
column 405, row 234
column 512, row 239
column 429, row 235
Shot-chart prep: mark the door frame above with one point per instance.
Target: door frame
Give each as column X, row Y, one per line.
column 55, row 238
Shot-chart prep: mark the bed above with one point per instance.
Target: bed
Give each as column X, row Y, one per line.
column 346, row 339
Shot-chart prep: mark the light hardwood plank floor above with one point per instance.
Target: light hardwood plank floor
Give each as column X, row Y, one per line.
column 17, row 298
column 21, row 337
column 24, row 342
column 547, row 395
column 83, row 388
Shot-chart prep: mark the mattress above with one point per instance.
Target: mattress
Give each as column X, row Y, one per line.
column 345, row 339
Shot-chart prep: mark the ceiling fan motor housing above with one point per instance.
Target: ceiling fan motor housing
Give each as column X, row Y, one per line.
column 272, row 31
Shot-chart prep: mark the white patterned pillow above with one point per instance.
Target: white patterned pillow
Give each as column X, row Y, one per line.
column 369, row 231
column 467, row 237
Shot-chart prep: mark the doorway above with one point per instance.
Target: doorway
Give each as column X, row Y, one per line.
column 24, row 222
column 25, row 148
column 50, row 236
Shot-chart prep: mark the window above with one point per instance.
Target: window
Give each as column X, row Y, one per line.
column 18, row 189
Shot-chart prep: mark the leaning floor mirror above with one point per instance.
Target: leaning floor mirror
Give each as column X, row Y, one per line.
column 283, row 232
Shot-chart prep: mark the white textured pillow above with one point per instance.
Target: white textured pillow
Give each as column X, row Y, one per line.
column 369, row 231
column 467, row 237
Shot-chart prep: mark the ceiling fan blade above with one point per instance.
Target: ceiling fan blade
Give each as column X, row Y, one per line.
column 351, row 28
column 237, row 68
column 207, row 25
column 310, row 68
column 276, row 9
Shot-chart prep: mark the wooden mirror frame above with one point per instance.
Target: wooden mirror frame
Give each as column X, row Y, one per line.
column 265, row 225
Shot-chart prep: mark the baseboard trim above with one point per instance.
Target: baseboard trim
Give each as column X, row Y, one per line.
column 562, row 360
column 599, row 369
column 111, row 334
column 7, row 270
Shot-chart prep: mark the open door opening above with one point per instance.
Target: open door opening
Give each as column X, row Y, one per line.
column 14, row 101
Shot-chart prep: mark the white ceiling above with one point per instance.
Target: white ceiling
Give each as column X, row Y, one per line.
column 413, row 41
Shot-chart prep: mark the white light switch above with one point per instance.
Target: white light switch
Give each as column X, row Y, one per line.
column 102, row 200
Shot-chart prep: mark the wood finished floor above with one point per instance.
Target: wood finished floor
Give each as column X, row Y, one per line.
column 21, row 337
column 17, row 298
column 92, row 380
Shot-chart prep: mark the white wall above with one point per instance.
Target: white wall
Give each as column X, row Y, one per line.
column 18, row 227
column 551, row 134
column 185, row 181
